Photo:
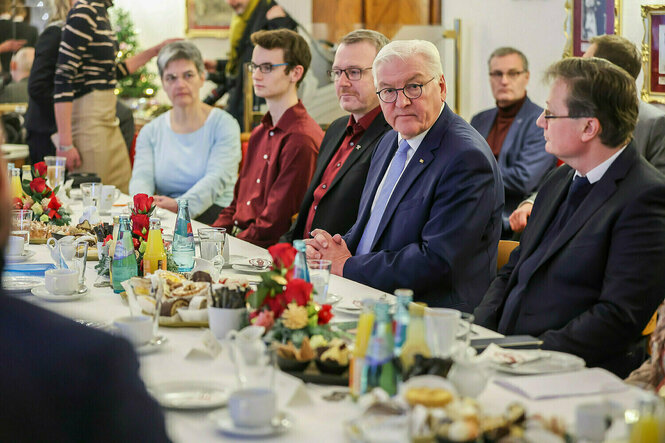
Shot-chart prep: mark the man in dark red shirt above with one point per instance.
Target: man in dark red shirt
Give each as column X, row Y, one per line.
column 332, row 200
column 282, row 150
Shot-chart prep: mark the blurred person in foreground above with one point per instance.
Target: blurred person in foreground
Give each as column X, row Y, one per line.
column 649, row 135
column 89, row 136
column 590, row 269
column 62, row 381
column 191, row 151
column 332, row 199
column 282, row 150
column 430, row 212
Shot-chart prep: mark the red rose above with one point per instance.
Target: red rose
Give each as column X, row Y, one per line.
column 136, row 243
column 283, row 255
column 40, row 169
column 38, row 185
column 54, row 205
column 142, row 203
column 325, row 314
column 299, row 291
column 17, row 203
column 141, row 225
column 276, row 304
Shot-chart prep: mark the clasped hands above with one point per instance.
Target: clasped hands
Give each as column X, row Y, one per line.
column 324, row 246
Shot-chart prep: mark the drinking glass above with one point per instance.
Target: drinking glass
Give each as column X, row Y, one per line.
column 55, row 172
column 21, row 221
column 319, row 275
column 212, row 245
column 92, row 194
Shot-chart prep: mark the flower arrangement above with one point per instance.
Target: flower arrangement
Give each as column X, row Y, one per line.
column 39, row 197
column 284, row 305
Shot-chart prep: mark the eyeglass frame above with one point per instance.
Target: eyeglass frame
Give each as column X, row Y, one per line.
column 251, row 67
column 336, row 74
column 403, row 89
column 547, row 115
column 511, row 75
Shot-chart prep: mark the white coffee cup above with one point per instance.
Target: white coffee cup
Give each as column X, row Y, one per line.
column 593, row 419
column 252, row 408
column 222, row 320
column 109, row 195
column 137, row 329
column 61, row 281
column 15, row 245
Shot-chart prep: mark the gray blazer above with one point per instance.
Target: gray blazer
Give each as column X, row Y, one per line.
column 650, row 135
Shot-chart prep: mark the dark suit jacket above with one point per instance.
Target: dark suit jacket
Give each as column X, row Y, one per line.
column 40, row 117
column 602, row 277
column 338, row 209
column 650, row 135
column 440, row 230
column 64, row 382
column 257, row 22
column 523, row 161
column 17, row 31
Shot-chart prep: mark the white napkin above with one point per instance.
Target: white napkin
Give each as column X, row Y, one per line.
column 568, row 384
column 207, row 349
column 496, row 354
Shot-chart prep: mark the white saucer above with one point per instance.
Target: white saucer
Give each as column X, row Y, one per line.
column 21, row 283
column 44, row 294
column 189, row 395
column 282, row 423
column 332, row 299
column 27, row 253
column 248, row 268
column 153, row 345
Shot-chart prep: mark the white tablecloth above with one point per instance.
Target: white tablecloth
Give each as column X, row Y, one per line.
column 315, row 419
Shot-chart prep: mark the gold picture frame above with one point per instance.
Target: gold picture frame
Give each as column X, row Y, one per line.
column 586, row 19
column 207, row 18
column 653, row 53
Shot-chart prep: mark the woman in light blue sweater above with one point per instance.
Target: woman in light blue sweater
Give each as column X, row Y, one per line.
column 191, row 151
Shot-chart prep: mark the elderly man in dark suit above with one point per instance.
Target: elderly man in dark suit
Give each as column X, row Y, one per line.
column 332, row 199
column 590, row 269
column 61, row 381
column 430, row 212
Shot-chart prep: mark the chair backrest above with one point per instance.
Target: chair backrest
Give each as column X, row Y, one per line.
column 505, row 248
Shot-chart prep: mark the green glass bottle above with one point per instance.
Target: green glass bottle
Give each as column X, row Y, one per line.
column 380, row 369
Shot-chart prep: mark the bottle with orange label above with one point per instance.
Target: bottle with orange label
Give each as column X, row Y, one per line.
column 154, row 257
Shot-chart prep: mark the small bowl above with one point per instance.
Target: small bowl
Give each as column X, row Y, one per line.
column 330, row 367
column 288, row 364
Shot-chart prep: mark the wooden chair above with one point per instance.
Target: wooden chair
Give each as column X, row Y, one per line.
column 505, row 248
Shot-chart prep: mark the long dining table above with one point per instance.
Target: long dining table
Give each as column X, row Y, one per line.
column 314, row 418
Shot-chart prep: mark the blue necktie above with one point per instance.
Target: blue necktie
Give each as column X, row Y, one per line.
column 393, row 174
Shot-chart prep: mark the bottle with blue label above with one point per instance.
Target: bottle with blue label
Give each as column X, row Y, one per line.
column 124, row 260
column 300, row 269
column 183, row 238
column 380, row 370
column 401, row 318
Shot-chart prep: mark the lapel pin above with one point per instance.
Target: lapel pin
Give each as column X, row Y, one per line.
column 358, row 147
column 422, row 161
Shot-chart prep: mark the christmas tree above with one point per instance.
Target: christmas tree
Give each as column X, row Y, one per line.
column 141, row 82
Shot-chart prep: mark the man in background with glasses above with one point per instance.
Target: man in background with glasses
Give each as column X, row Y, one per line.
column 282, row 150
column 430, row 212
column 589, row 272
column 510, row 130
column 331, row 202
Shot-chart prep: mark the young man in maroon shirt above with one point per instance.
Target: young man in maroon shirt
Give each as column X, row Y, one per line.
column 282, row 150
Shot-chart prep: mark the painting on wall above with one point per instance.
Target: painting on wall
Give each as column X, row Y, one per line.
column 653, row 53
column 590, row 18
column 207, row 18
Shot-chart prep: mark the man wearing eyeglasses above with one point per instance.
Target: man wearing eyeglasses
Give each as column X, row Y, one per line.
column 590, row 269
column 282, row 150
column 430, row 213
column 331, row 202
column 510, row 130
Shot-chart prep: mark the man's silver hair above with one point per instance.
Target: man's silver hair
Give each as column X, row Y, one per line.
column 180, row 50
column 404, row 50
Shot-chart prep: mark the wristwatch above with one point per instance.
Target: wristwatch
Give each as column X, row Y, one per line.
column 65, row 148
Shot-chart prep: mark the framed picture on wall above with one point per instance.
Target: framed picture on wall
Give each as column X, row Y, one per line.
column 207, row 18
column 589, row 18
column 653, row 53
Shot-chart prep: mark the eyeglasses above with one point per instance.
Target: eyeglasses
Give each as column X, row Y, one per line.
column 512, row 75
column 548, row 115
column 352, row 74
column 265, row 68
column 411, row 91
